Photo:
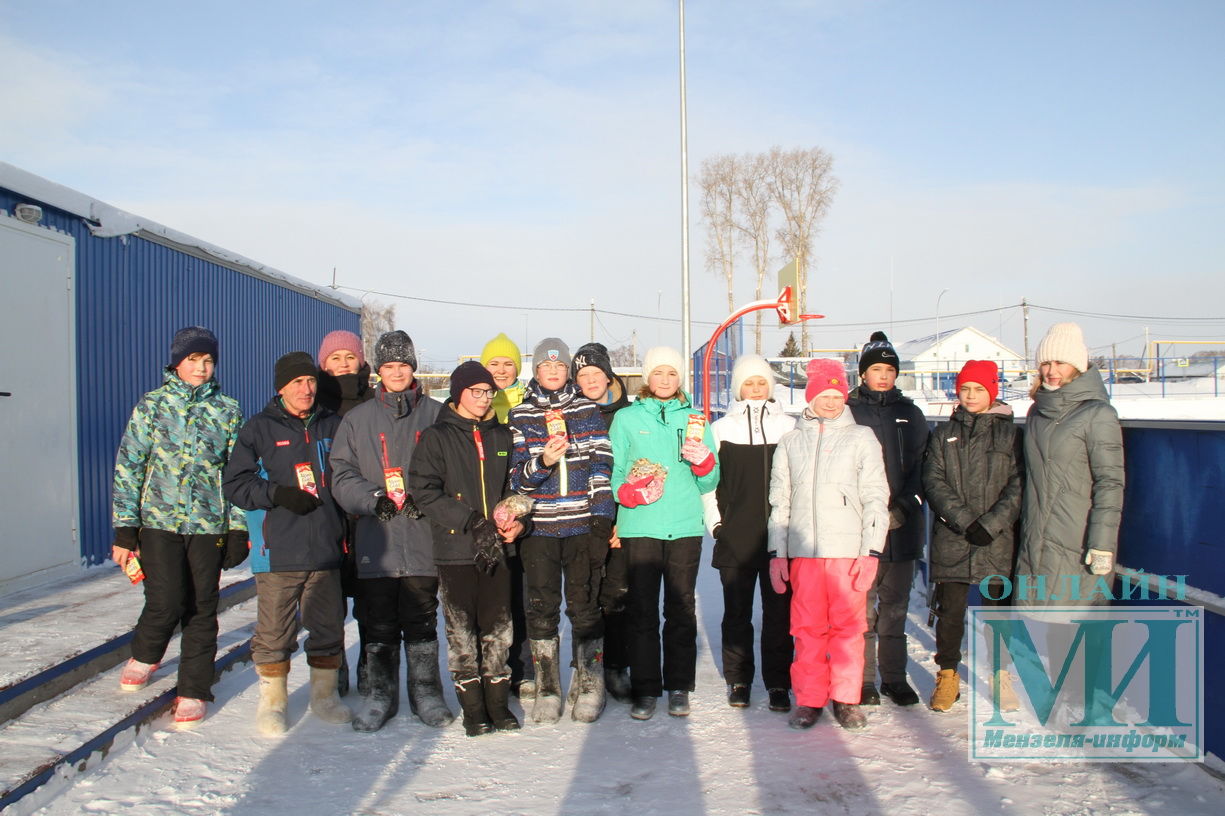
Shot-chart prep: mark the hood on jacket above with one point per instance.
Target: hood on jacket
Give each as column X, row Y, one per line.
column 810, row 422
column 866, row 395
column 191, row 393
column 400, row 403
column 1087, row 387
column 450, row 416
column 997, row 409
column 543, row 398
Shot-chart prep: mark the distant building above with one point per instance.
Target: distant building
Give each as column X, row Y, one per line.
column 931, row 363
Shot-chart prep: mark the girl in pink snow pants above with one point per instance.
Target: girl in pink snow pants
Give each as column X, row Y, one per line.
column 829, row 515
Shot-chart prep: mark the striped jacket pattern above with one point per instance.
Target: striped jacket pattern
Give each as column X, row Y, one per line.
column 577, row 487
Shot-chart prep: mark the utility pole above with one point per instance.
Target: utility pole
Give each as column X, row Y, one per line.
column 686, row 350
column 1025, row 322
column 593, row 320
column 634, row 348
column 1148, row 357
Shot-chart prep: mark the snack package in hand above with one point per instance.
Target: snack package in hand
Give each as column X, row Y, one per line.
column 646, row 468
column 695, row 426
column 555, row 423
column 306, row 478
column 510, row 508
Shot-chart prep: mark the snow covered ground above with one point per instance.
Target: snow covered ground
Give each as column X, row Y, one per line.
column 718, row 761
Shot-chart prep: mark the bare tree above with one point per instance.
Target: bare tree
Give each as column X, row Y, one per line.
column 717, row 179
column 377, row 318
column 623, row 356
column 754, row 206
column 802, row 184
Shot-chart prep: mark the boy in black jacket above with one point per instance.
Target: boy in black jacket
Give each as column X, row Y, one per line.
column 279, row 466
column 458, row 476
column 901, row 429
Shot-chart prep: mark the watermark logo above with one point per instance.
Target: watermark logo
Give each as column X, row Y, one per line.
column 1087, row 683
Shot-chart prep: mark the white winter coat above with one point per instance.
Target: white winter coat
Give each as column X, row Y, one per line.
column 829, row 495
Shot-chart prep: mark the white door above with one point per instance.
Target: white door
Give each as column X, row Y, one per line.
column 38, row 429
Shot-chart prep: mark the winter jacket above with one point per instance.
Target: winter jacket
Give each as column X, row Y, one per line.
column 270, row 446
column 458, row 474
column 974, row 471
column 574, row 489
column 901, row 429
column 739, row 509
column 340, row 393
column 655, row 430
column 169, row 464
column 828, row 491
column 379, row 434
column 507, row 399
column 1074, row 485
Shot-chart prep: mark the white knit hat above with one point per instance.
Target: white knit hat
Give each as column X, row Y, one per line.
column 1064, row 343
column 750, row 365
column 662, row 355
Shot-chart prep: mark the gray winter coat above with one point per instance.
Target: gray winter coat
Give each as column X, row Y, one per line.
column 829, row 496
column 973, row 471
column 1074, row 487
column 402, row 547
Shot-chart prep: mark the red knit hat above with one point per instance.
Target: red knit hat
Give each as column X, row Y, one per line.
column 984, row 372
column 824, row 374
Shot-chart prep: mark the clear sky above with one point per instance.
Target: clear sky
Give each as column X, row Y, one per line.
column 527, row 153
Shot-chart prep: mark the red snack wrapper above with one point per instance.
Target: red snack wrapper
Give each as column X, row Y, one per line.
column 306, row 478
column 555, row 422
column 695, row 427
column 393, row 481
column 133, row 570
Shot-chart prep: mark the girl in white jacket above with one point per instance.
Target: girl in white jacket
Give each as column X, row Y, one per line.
column 829, row 498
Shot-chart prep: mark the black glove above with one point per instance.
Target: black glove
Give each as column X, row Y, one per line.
column 410, row 507
column 601, row 528
column 385, row 509
column 488, row 545
column 237, row 545
column 897, row 517
column 717, row 532
column 978, row 535
column 295, row 500
column 127, row 538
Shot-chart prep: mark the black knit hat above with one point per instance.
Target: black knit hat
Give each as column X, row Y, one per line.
column 878, row 349
column 394, row 347
column 591, row 354
column 189, row 341
column 291, row 366
column 468, row 374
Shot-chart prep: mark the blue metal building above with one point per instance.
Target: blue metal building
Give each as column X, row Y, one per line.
column 130, row 284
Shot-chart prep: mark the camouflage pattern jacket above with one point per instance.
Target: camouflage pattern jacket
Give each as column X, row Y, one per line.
column 169, row 465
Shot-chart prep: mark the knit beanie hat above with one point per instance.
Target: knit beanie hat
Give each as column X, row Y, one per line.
column 192, row 340
column 502, row 346
column 659, row 356
column 1064, row 343
column 824, row 375
column 878, row 349
column 550, row 349
column 468, row 374
column 341, row 340
column 591, row 354
column 750, row 365
column 291, row 366
column 394, row 347
column 984, row 372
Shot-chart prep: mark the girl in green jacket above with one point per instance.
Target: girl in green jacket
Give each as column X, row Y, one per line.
column 663, row 461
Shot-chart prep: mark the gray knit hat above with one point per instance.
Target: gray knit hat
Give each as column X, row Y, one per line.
column 394, row 347
column 550, row 349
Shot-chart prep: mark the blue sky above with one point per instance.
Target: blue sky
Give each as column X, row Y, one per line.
column 526, row 153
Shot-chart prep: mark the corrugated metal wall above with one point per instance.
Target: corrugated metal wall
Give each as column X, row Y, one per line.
column 131, row 296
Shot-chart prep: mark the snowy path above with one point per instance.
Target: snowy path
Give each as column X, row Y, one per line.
column 718, row 761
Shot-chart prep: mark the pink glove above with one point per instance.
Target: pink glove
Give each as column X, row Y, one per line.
column 863, row 572
column 503, row 516
column 779, row 576
column 696, row 454
column 646, row 490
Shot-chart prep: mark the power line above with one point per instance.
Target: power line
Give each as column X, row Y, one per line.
column 1149, row 318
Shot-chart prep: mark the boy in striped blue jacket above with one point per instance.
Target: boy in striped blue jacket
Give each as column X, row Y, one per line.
column 562, row 458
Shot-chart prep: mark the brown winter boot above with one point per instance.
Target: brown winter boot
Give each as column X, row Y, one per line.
column 1001, row 683
column 947, row 692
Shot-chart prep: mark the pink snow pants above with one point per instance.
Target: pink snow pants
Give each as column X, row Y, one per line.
column 828, row 620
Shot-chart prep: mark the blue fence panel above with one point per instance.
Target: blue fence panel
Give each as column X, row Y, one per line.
column 729, row 346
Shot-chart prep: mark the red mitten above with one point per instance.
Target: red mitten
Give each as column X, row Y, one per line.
column 646, row 490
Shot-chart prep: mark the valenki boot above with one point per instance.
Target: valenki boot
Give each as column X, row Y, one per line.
column 547, row 707
column 591, row 698
column 425, row 684
column 382, row 699
column 273, row 698
column 325, row 693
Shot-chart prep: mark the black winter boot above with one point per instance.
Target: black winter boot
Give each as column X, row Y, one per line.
column 425, row 684
column 589, row 680
column 617, row 684
column 738, row 695
column 363, row 684
column 471, row 696
column 497, row 695
column 382, row 700
column 545, row 657
column 342, row 676
column 804, row 717
column 869, row 695
column 780, row 699
column 900, row 693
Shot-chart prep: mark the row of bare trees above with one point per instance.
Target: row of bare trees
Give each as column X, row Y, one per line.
column 753, row 200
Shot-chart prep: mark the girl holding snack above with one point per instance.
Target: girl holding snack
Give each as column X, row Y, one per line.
column 663, row 461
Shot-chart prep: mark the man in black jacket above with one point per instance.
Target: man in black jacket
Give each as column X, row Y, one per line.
column 279, row 468
column 901, row 429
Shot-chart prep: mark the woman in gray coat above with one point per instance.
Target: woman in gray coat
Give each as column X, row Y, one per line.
column 1074, row 485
